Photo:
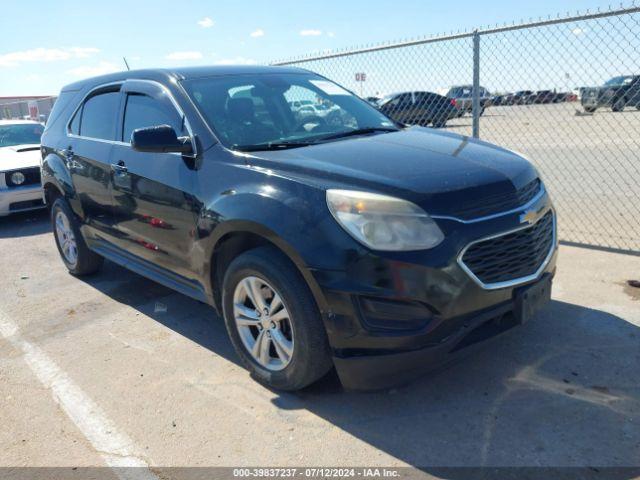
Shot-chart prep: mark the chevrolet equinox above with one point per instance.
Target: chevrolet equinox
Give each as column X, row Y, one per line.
column 327, row 237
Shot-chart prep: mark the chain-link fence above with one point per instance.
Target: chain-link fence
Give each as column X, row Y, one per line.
column 563, row 91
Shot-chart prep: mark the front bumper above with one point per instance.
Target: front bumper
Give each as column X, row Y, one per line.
column 390, row 318
column 20, row 199
column 391, row 368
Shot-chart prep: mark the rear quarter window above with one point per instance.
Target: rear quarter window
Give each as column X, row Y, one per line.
column 62, row 108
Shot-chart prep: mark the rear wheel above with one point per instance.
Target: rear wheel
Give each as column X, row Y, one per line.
column 273, row 321
column 74, row 252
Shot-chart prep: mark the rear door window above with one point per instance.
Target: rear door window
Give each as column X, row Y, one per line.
column 99, row 116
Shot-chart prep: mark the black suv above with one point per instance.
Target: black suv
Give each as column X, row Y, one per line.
column 463, row 97
column 337, row 239
column 617, row 93
column 419, row 108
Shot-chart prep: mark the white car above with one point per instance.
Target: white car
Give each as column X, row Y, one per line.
column 20, row 187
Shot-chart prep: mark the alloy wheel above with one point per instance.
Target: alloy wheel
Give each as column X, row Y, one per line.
column 66, row 238
column 263, row 323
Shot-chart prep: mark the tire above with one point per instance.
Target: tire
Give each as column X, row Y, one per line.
column 590, row 109
column 72, row 247
column 619, row 104
column 301, row 333
column 440, row 123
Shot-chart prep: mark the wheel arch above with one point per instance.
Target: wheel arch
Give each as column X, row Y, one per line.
column 238, row 236
column 56, row 181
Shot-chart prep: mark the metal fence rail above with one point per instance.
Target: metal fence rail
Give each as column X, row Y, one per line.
column 536, row 87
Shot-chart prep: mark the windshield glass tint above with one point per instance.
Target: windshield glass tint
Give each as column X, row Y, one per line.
column 249, row 110
column 20, row 134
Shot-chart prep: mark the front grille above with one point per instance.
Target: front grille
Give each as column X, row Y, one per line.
column 32, row 177
column 499, row 203
column 512, row 256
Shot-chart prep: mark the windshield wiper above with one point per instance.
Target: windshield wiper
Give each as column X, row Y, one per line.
column 284, row 144
column 357, row 131
column 270, row 146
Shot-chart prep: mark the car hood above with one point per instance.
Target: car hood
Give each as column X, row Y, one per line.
column 441, row 171
column 19, row 156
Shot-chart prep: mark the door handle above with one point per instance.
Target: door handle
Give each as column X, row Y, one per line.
column 119, row 167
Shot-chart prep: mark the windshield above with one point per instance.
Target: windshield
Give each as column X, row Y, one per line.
column 20, row 134
column 283, row 110
column 618, row 81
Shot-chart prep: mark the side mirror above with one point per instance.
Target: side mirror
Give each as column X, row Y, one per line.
column 160, row 139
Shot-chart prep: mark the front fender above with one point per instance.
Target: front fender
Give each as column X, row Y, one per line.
column 291, row 222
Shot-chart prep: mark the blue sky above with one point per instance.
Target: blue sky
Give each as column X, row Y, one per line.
column 46, row 44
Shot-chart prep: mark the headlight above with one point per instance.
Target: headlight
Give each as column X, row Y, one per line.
column 17, row 178
column 383, row 223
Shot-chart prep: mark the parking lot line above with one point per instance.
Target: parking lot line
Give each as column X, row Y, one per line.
column 115, row 447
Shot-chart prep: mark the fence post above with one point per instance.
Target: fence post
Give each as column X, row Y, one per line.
column 476, row 85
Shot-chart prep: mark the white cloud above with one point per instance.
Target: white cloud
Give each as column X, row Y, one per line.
column 258, row 33
column 83, row 52
column 206, row 22
column 94, row 70
column 331, row 34
column 40, row 54
column 578, row 31
column 236, row 61
column 188, row 55
column 310, row 33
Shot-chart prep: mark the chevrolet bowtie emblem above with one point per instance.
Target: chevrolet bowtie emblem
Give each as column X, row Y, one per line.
column 530, row 217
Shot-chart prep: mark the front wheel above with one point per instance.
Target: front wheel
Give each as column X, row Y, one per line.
column 273, row 320
column 440, row 123
column 590, row 109
column 619, row 105
column 74, row 252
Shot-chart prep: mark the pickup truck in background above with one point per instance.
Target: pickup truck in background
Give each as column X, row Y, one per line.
column 617, row 93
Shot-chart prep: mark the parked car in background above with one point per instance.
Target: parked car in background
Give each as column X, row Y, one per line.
column 463, row 95
column 617, row 93
column 20, row 188
column 366, row 246
column 298, row 104
column 501, row 99
column 522, row 97
column 419, row 108
column 373, row 100
column 543, row 96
